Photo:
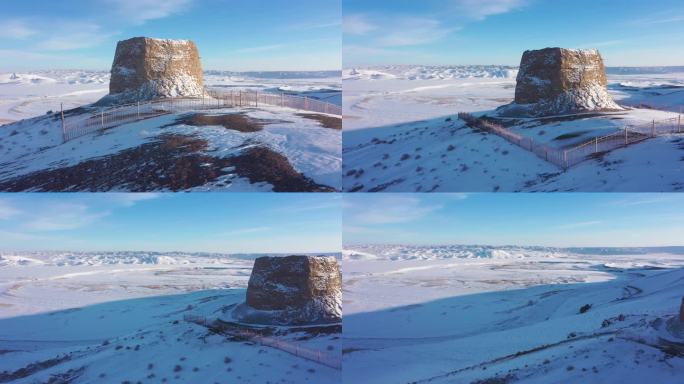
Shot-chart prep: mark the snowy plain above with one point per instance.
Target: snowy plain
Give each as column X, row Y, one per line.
column 31, row 141
column 401, row 133
column 461, row 314
column 80, row 317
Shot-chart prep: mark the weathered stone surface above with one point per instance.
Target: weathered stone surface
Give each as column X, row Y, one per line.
column 146, row 68
column 294, row 290
column 555, row 81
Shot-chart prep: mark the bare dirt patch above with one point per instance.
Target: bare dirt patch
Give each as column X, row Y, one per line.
column 262, row 164
column 174, row 162
column 236, row 121
column 325, row 121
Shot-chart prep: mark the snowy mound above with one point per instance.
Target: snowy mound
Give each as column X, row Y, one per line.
column 556, row 81
column 445, row 252
column 404, row 72
column 25, row 79
column 63, row 259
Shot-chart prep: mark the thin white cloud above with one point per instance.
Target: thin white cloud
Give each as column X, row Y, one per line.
column 481, row 9
column 314, row 25
column 358, row 25
column 140, row 11
column 64, row 216
column 7, row 210
column 73, row 35
column 246, row 231
column 130, row 199
column 579, row 224
column 389, row 210
column 16, row 29
column 414, row 31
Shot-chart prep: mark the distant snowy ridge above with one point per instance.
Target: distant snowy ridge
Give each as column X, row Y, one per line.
column 430, row 72
column 409, row 72
column 447, row 252
column 65, row 258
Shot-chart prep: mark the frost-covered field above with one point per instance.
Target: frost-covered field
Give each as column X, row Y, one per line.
column 81, row 317
column 33, row 93
column 34, row 145
column 458, row 314
column 401, row 133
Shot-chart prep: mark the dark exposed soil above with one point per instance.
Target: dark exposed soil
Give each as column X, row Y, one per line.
column 175, row 162
column 325, row 121
column 30, row 369
column 237, row 121
column 262, row 164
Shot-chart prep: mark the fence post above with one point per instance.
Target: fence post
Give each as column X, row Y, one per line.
column 61, row 112
column 565, row 159
column 653, row 129
column 282, row 99
column 102, row 119
column 256, row 99
column 625, row 136
column 596, row 144
column 679, row 124
column 138, row 109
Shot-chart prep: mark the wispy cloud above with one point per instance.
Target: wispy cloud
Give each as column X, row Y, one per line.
column 73, row 35
column 16, row 29
column 390, row 210
column 579, row 224
column 358, row 25
column 7, row 210
column 140, row 11
column 246, row 231
column 480, row 9
column 64, row 216
column 415, row 31
column 637, row 199
column 130, row 199
column 315, row 25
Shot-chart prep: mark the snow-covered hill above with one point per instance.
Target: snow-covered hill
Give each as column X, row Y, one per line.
column 401, row 134
column 474, row 314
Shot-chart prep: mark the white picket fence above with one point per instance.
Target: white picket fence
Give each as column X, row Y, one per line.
column 566, row 158
column 105, row 118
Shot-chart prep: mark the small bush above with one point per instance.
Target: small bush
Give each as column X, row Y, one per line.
column 585, row 308
column 177, row 368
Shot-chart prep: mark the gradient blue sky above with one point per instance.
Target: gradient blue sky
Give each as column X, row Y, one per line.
column 213, row 222
column 230, row 34
column 553, row 219
column 627, row 32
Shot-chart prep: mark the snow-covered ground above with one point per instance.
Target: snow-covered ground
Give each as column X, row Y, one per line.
column 87, row 315
column 459, row 314
column 28, row 94
column 312, row 148
column 408, row 112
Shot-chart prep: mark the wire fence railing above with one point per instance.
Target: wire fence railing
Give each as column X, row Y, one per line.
column 314, row 355
column 104, row 118
column 567, row 157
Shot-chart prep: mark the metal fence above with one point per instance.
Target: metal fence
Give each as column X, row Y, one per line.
column 104, row 118
column 566, row 158
column 286, row 346
column 257, row 99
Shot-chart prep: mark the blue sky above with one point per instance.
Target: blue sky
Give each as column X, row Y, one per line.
column 213, row 222
column 230, row 34
column 552, row 219
column 627, row 32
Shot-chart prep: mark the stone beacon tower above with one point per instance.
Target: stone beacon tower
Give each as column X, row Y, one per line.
column 293, row 290
column 146, row 68
column 555, row 81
